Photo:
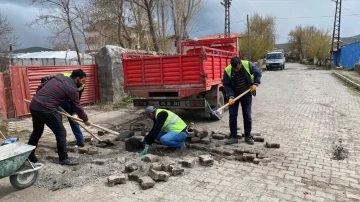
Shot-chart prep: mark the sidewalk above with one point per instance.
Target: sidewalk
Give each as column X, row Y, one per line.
column 352, row 78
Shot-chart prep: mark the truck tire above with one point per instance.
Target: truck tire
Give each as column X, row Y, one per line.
column 220, row 103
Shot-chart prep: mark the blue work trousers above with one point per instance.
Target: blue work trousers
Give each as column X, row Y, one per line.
column 245, row 102
column 74, row 126
column 172, row 139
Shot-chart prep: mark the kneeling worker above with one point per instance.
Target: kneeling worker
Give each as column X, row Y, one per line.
column 168, row 128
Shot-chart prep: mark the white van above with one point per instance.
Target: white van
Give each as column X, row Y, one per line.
column 275, row 59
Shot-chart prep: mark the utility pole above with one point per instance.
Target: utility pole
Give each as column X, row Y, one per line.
column 226, row 4
column 335, row 44
column 248, row 33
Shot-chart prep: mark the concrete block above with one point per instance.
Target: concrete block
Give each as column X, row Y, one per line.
column 188, row 163
column 206, row 160
column 135, row 176
column 130, row 167
column 151, row 158
column 87, row 139
column 240, row 158
column 218, row 136
column 146, row 182
column 156, row 166
column 249, row 157
column 256, row 161
column 114, row 180
column 258, row 139
column 261, row 156
column 166, row 165
column 228, row 152
column 272, row 145
column 99, row 161
column 159, row 175
column 191, row 134
column 195, row 140
column 206, row 140
column 83, row 150
column 176, row 170
column 92, row 151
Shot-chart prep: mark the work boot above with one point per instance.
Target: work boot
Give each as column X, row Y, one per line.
column 231, row 141
column 249, row 140
column 69, row 162
column 81, row 144
column 33, row 158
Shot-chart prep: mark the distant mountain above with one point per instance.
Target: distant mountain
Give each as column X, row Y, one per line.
column 31, row 50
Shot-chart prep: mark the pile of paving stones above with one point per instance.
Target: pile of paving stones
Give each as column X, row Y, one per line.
column 154, row 169
column 202, row 139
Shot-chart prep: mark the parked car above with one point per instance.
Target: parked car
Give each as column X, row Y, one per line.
column 275, row 59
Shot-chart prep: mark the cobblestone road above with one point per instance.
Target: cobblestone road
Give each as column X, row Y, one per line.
column 304, row 110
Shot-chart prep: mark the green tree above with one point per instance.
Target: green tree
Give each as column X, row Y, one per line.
column 262, row 36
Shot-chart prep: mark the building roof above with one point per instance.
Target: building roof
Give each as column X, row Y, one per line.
column 31, row 50
column 52, row 55
column 219, row 35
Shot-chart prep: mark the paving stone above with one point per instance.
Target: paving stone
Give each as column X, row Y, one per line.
column 115, row 179
column 131, row 166
column 146, row 182
column 249, row 157
column 227, row 152
column 272, row 145
column 156, row 166
column 195, row 140
column 261, row 156
column 258, row 139
column 151, row 158
column 206, row 160
column 240, row 158
column 188, row 163
column 166, row 165
column 88, row 139
column 159, row 175
column 72, row 149
column 207, row 140
column 176, row 170
column 83, row 150
column 92, row 151
column 99, row 161
column 256, row 161
column 218, row 136
column 191, row 134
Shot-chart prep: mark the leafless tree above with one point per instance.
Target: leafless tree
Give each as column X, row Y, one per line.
column 7, row 35
column 183, row 11
column 60, row 14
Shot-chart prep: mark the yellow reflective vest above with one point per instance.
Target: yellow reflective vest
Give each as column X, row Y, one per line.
column 173, row 122
column 79, row 88
column 246, row 65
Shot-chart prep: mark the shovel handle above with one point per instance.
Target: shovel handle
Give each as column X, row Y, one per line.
column 77, row 119
column 238, row 97
column 87, row 130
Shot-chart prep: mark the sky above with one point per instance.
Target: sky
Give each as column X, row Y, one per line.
column 288, row 13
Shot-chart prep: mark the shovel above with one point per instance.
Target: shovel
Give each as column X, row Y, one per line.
column 77, row 119
column 216, row 113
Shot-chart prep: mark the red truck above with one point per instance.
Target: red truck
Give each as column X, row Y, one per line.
column 190, row 80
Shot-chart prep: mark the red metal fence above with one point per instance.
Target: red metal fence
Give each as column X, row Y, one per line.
column 2, row 97
column 25, row 80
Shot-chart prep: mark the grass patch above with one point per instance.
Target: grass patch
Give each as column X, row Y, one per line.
column 125, row 101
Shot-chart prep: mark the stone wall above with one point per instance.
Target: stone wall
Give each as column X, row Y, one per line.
column 110, row 72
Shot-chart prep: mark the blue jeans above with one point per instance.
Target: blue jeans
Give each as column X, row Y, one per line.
column 74, row 126
column 245, row 102
column 172, row 139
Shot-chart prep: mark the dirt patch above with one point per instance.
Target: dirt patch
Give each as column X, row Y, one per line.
column 339, row 152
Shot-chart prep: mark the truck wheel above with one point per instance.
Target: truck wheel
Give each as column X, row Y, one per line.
column 220, row 103
column 25, row 180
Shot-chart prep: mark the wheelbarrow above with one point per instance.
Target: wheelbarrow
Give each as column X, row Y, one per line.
column 14, row 163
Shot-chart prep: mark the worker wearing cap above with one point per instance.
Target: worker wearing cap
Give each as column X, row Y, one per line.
column 168, row 128
column 240, row 76
column 69, row 109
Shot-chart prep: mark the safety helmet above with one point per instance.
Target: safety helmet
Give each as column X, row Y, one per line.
column 149, row 109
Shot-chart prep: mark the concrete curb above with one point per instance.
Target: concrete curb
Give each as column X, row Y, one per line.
column 347, row 80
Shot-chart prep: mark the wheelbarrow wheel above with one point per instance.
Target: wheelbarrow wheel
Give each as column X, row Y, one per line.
column 25, row 180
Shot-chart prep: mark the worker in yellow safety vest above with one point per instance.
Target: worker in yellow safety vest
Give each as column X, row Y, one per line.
column 69, row 109
column 240, row 76
column 168, row 128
